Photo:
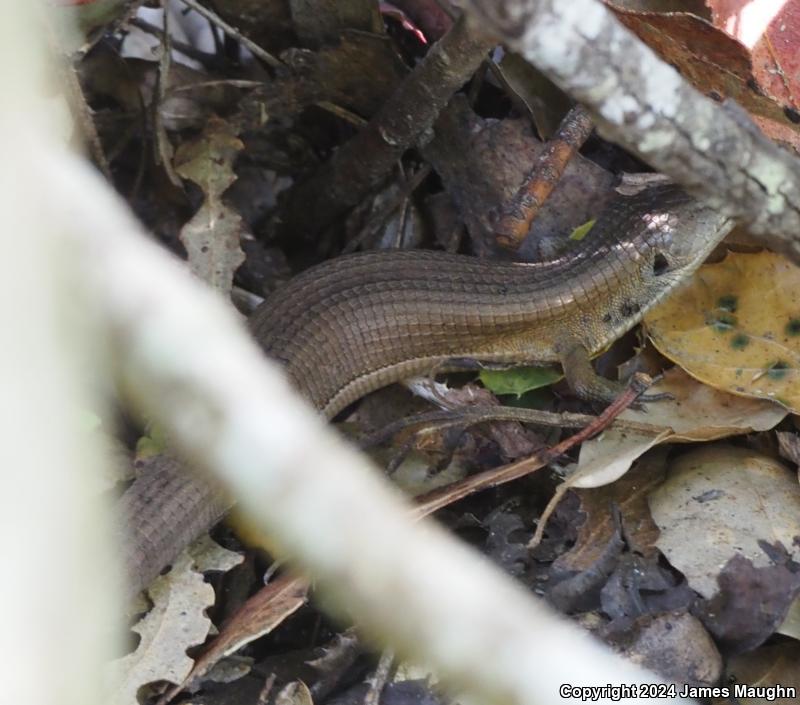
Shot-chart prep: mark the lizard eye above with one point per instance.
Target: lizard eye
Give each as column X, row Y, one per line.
column 660, row 264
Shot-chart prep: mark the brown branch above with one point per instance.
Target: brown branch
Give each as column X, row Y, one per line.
column 643, row 104
column 515, row 218
column 358, row 166
column 437, row 499
column 466, row 416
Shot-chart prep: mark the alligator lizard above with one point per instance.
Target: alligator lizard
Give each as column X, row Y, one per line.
column 355, row 324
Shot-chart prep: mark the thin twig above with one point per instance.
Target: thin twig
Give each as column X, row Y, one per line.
column 163, row 147
column 343, row 113
column 407, row 188
column 85, row 118
column 359, row 165
column 492, row 478
column 470, row 415
column 214, row 18
column 714, row 151
column 514, row 218
column 224, row 82
column 379, row 678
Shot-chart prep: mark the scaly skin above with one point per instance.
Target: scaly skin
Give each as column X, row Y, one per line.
column 357, row 323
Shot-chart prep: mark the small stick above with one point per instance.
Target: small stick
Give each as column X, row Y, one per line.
column 514, row 218
column 361, row 164
column 163, row 147
column 440, row 498
column 555, row 500
column 215, row 19
column 466, row 416
column 433, row 501
column 379, row 678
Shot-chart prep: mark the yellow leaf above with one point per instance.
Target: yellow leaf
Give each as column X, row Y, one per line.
column 694, row 413
column 736, row 327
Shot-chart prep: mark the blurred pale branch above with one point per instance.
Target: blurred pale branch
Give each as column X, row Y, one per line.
column 183, row 357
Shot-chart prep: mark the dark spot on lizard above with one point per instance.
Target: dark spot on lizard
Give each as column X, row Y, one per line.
column 607, row 318
column 628, row 309
column 753, row 86
column 502, row 290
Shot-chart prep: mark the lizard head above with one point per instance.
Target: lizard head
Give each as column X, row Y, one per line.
column 678, row 233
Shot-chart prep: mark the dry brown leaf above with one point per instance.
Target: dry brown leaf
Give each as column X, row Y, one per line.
column 771, row 32
column 267, row 609
column 629, row 493
column 720, row 500
column 176, row 622
column 211, row 237
column 789, row 446
column 720, row 65
column 696, row 413
column 736, row 326
column 482, row 162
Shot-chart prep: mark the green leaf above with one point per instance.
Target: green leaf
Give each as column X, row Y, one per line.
column 519, row 380
column 541, row 398
column 582, row 230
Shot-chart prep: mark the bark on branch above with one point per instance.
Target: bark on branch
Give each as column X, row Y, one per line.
column 361, row 164
column 643, row 104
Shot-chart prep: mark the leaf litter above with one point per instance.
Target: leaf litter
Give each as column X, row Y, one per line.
column 626, row 535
